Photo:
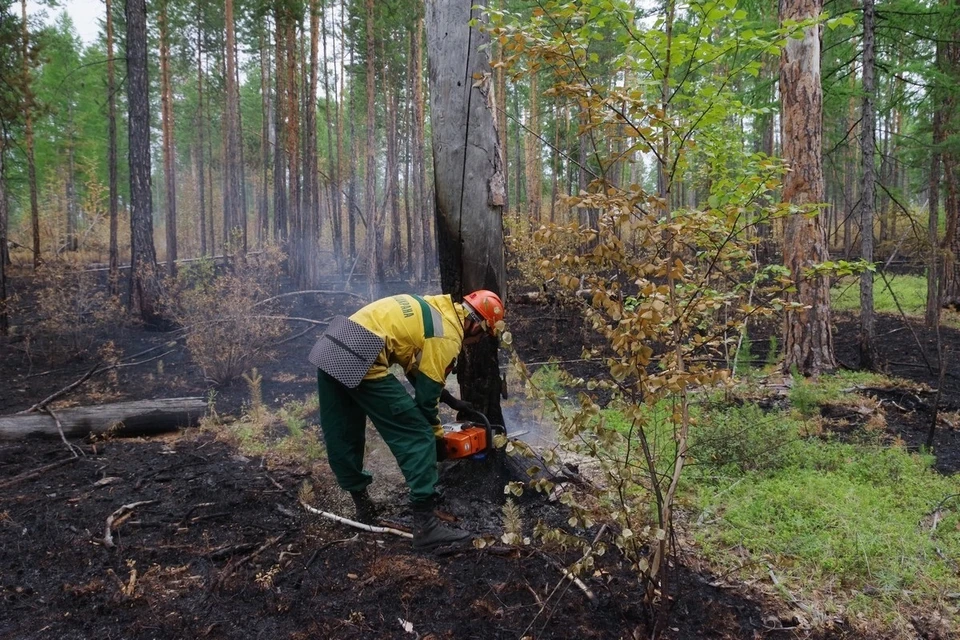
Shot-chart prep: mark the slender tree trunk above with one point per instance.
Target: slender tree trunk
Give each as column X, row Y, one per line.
column 71, row 190
column 503, row 124
column 279, row 151
column 241, row 178
column 310, row 153
column 263, row 210
column 534, row 170
column 849, row 174
column 469, row 181
column 231, row 183
column 113, row 277
column 950, row 287
column 420, row 198
column 145, row 279
column 169, row 159
column 201, row 127
column 28, row 136
column 555, row 166
column 410, row 219
column 334, row 161
column 868, row 347
column 392, row 202
column 373, row 234
column 211, row 222
column 4, row 219
column 932, row 315
column 292, row 140
column 808, row 342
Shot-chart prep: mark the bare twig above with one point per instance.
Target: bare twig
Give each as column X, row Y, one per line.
column 234, row 564
column 119, row 513
column 34, row 473
column 355, row 524
column 317, row 291
column 569, row 576
column 70, row 447
column 40, row 405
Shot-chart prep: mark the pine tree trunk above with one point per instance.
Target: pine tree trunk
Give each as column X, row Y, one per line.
column 808, row 342
column 201, row 127
column 113, row 277
column 849, row 174
column 951, row 209
column 71, row 190
column 311, row 185
column 146, row 291
column 241, row 178
column 231, row 186
column 392, row 202
column 169, row 160
column 28, row 136
column 420, row 200
column 534, row 170
column 372, row 241
column 503, row 124
column 334, row 161
column 279, row 151
column 932, row 315
column 292, row 140
column 263, row 209
column 469, row 182
column 4, row 219
column 868, row 347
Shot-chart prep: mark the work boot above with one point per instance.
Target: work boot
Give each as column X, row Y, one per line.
column 428, row 532
column 367, row 512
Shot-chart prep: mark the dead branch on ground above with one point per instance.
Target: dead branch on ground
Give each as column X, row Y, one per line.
column 355, row 524
column 233, row 565
column 34, row 473
column 118, row 517
column 72, row 448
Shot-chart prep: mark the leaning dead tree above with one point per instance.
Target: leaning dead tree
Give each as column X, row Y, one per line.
column 470, row 191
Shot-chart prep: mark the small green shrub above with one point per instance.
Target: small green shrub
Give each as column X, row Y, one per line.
column 743, row 438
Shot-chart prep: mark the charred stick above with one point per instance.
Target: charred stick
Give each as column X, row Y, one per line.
column 233, row 565
column 63, row 391
column 33, row 473
column 117, row 517
column 70, row 447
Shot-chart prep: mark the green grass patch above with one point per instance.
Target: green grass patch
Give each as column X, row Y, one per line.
column 839, row 514
column 910, row 292
column 848, row 528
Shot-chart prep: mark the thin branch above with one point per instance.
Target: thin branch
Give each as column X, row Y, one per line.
column 355, row 524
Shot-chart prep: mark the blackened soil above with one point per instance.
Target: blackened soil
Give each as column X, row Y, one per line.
column 218, row 546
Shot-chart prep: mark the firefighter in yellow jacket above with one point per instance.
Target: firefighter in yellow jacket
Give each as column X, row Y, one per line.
column 423, row 335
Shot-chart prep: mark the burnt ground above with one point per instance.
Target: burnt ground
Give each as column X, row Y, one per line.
column 219, row 547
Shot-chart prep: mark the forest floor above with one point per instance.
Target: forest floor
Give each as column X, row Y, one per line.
column 219, row 546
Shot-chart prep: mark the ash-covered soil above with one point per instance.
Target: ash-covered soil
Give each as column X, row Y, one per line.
column 218, row 546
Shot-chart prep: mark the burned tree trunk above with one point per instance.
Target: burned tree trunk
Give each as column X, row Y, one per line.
column 468, row 178
column 141, row 417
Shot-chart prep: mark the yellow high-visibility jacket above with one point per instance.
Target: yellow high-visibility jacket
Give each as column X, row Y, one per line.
column 421, row 334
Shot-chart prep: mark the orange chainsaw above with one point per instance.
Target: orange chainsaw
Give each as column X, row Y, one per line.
column 468, row 439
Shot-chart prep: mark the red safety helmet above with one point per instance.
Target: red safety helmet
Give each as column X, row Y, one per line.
column 488, row 306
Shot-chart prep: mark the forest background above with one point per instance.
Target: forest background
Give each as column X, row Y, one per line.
column 680, row 168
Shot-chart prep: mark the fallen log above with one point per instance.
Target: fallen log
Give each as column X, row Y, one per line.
column 136, row 418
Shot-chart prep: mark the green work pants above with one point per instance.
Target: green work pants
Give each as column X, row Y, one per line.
column 343, row 420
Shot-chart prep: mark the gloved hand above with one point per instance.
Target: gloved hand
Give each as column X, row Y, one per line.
column 454, row 403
